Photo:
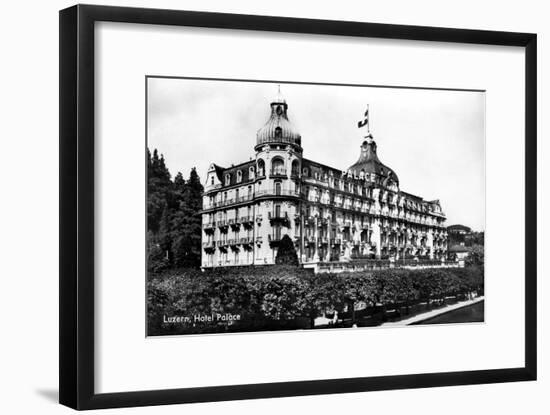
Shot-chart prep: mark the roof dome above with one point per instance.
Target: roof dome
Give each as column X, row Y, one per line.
column 278, row 128
column 370, row 163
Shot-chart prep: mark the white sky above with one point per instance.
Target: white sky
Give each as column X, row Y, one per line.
column 433, row 140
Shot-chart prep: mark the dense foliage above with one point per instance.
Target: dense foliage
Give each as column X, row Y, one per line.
column 173, row 218
column 278, row 297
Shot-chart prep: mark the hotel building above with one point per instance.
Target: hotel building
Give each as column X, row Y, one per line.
column 338, row 219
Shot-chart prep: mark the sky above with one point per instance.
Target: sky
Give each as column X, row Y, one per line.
column 433, row 139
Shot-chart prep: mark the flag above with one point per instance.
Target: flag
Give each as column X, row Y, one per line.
column 361, row 124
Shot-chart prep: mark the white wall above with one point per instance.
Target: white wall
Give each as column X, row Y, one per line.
column 29, row 172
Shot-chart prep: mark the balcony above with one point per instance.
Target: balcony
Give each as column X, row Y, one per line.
column 209, row 226
column 279, row 172
column 277, row 192
column 246, row 220
column 274, row 240
column 245, row 198
column 336, row 241
column 209, row 246
column 280, row 217
column 246, row 241
column 260, row 174
column 322, row 222
column 259, row 240
column 233, row 243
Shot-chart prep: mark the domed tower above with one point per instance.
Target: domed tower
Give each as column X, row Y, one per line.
column 385, row 186
column 278, row 147
column 370, row 168
column 277, row 182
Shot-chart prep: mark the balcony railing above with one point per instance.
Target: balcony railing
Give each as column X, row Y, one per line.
column 277, row 192
column 274, row 239
column 278, row 216
column 246, row 241
column 228, row 202
column 279, row 172
column 209, row 225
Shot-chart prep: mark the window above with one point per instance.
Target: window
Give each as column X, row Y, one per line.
column 295, row 168
column 278, row 132
column 239, row 176
column 278, row 188
column 227, row 179
column 261, row 167
column 278, row 167
column 212, row 180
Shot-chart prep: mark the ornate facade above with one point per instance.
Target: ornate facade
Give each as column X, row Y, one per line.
column 333, row 217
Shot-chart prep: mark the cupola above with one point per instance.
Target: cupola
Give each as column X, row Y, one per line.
column 278, row 128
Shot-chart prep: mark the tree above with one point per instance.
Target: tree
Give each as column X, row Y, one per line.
column 186, row 222
column 173, row 215
column 286, row 254
column 159, row 187
column 476, row 257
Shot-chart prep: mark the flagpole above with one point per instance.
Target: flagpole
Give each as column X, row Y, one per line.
column 370, row 118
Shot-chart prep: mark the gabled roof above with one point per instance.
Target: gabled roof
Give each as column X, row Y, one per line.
column 244, row 168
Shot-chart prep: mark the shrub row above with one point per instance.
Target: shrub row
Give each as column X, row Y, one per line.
column 272, row 297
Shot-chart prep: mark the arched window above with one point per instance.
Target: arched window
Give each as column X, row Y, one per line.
column 278, row 132
column 239, row 176
column 295, row 168
column 261, row 167
column 227, row 179
column 278, row 167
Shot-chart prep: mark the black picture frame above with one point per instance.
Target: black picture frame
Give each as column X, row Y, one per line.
column 76, row 279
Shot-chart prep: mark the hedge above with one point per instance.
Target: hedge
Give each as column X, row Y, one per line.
column 280, row 297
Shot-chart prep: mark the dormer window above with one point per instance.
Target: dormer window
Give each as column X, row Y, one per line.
column 227, row 179
column 278, row 132
column 212, row 180
column 239, row 176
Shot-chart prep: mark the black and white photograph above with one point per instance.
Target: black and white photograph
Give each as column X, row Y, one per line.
column 284, row 206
